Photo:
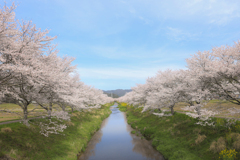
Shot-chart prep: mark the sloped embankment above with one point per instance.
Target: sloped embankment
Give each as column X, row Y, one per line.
column 179, row 138
column 20, row 142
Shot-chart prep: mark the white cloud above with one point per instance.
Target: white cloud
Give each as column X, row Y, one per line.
column 132, row 11
column 102, row 18
column 145, row 20
column 140, row 52
column 206, row 11
column 123, row 73
column 179, row 35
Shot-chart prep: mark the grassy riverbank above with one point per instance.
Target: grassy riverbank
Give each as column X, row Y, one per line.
column 20, row 142
column 179, row 138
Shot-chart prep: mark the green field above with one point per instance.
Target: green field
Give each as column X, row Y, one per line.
column 18, row 112
column 213, row 105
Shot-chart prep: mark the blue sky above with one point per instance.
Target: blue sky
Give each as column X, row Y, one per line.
column 118, row 43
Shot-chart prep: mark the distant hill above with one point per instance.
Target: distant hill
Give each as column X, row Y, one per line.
column 112, row 95
column 118, row 92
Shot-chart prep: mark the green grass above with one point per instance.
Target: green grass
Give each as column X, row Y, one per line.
column 27, row 143
column 122, row 108
column 175, row 136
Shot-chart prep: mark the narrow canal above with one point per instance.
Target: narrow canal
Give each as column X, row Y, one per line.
column 114, row 141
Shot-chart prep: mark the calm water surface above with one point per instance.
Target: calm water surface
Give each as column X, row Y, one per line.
column 114, row 141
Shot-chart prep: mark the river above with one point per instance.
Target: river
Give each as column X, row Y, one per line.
column 114, row 141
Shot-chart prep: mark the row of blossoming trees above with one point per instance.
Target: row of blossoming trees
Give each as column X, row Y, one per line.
column 209, row 74
column 31, row 71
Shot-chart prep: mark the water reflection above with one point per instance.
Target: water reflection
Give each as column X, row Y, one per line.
column 115, row 142
column 143, row 146
column 92, row 143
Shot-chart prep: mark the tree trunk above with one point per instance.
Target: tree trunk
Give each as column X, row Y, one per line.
column 198, row 109
column 72, row 109
column 24, row 105
column 63, row 107
column 25, row 115
column 172, row 111
column 191, row 103
column 50, row 111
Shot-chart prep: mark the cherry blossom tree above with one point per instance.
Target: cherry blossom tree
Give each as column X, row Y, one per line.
column 20, row 57
column 56, row 82
column 163, row 90
column 169, row 90
column 8, row 35
column 31, row 71
column 166, row 89
column 209, row 74
column 219, row 70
